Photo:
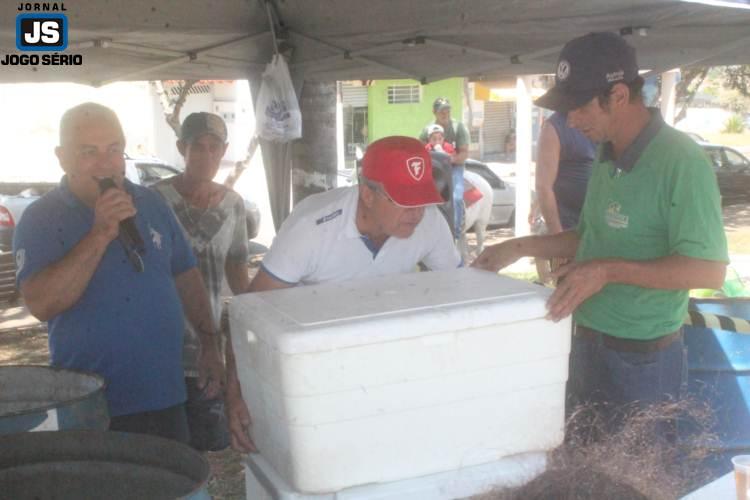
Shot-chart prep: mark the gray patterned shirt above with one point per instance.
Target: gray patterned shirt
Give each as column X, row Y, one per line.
column 217, row 234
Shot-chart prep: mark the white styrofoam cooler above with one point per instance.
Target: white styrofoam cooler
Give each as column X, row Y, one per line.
column 262, row 482
column 382, row 379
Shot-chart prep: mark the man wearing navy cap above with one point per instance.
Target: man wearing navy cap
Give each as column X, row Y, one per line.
column 650, row 230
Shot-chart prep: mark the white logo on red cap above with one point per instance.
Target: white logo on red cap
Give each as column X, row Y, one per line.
column 415, row 165
column 563, row 70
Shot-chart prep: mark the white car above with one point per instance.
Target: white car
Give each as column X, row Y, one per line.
column 504, row 201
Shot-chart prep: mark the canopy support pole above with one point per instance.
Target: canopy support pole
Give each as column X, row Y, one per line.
column 523, row 154
column 668, row 94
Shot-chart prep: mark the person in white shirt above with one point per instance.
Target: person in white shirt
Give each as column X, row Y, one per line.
column 388, row 224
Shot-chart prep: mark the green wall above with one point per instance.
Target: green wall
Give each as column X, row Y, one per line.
column 408, row 119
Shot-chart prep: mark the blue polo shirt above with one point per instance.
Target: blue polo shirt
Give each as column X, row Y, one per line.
column 127, row 326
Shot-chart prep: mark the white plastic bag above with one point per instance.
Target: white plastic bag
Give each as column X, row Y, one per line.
column 277, row 114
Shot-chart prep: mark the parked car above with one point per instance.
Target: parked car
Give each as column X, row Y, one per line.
column 8, row 291
column 16, row 196
column 504, row 202
column 695, row 137
column 732, row 172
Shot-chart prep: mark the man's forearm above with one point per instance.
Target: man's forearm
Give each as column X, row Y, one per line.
column 562, row 244
column 675, row 272
column 548, row 246
column 197, row 306
column 237, row 276
column 548, row 206
column 59, row 286
column 233, row 383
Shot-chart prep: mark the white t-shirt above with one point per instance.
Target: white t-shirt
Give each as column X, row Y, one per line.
column 320, row 242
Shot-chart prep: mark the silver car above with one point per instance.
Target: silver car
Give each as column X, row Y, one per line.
column 504, row 202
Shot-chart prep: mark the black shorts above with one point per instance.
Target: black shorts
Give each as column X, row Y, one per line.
column 206, row 419
column 170, row 423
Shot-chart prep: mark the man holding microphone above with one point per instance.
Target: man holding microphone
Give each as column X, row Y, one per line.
column 115, row 308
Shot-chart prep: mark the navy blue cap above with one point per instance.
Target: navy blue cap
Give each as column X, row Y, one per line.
column 587, row 66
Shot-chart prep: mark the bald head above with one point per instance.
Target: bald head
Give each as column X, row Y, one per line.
column 92, row 146
column 83, row 115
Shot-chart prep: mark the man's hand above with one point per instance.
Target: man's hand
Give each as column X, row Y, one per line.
column 581, row 281
column 496, row 257
column 113, row 206
column 210, row 370
column 239, row 423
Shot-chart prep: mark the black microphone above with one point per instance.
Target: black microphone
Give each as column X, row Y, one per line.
column 129, row 235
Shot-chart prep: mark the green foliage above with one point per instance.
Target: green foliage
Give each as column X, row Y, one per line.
column 729, row 84
column 738, row 78
column 734, row 125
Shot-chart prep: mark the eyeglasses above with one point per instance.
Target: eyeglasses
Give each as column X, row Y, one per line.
column 378, row 188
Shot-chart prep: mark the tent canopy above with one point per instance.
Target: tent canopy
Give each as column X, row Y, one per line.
column 366, row 39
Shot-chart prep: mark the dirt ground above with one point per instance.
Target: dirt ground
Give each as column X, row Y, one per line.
column 29, row 346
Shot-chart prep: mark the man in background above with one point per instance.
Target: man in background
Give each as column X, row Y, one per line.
column 563, row 169
column 213, row 218
column 455, row 134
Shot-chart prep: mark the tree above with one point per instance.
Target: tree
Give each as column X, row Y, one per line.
column 691, row 80
column 735, row 79
column 738, row 78
column 172, row 106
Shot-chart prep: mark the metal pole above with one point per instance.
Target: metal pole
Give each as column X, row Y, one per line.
column 523, row 154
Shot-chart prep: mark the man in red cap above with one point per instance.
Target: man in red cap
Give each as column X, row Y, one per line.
column 386, row 225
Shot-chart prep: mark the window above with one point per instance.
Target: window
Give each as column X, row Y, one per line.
column 404, row 94
column 355, row 132
column 714, row 155
column 493, row 180
column 150, row 173
column 735, row 159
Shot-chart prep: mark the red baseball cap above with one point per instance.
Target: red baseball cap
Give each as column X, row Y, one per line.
column 404, row 168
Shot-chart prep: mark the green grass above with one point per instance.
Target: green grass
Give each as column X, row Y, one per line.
column 739, row 241
column 732, row 140
column 526, row 276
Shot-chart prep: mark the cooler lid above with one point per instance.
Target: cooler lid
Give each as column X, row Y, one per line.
column 344, row 314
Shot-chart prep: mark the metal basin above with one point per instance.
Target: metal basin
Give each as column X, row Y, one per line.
column 45, row 398
column 96, row 464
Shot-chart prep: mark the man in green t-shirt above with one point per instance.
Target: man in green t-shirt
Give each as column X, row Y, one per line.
column 650, row 230
column 456, row 134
